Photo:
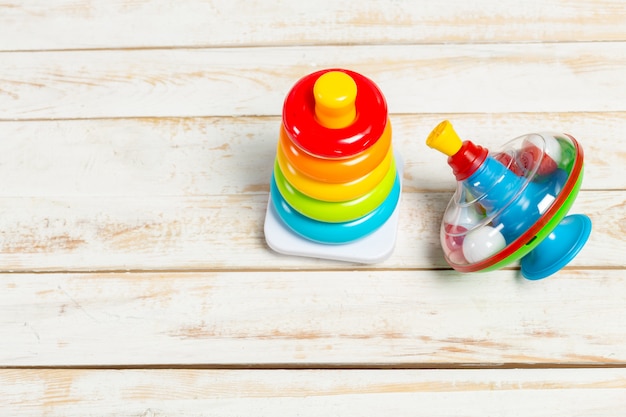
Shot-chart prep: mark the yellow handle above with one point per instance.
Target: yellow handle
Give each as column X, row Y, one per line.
column 335, row 94
column 444, row 139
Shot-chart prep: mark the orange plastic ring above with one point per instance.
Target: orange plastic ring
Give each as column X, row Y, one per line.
column 333, row 192
column 336, row 170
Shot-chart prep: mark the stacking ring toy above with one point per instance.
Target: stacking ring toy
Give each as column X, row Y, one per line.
column 333, row 192
column 306, row 131
column 336, row 182
column 334, row 233
column 335, row 212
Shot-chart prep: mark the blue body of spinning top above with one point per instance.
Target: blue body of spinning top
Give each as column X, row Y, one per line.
column 518, row 205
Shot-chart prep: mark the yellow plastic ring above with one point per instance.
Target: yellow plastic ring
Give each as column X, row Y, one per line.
column 335, row 212
column 336, row 170
column 333, row 192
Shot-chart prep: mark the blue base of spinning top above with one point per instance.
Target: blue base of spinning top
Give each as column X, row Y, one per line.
column 558, row 248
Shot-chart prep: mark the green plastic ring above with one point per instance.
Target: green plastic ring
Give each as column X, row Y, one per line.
column 335, row 212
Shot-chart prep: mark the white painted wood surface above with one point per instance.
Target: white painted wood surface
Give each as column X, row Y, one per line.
column 80, row 24
column 309, row 318
column 427, row 393
column 476, row 78
column 137, row 140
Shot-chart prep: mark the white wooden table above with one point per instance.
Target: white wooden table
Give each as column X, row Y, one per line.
column 137, row 141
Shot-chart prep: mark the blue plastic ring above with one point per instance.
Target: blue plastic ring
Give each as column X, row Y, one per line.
column 335, row 233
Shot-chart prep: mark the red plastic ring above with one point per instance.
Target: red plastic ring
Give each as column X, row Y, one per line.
column 309, row 135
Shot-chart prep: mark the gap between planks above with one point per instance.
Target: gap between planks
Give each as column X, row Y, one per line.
column 305, row 45
column 507, row 116
column 325, row 366
column 190, row 271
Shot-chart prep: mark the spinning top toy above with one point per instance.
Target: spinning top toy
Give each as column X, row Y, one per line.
column 512, row 204
column 335, row 187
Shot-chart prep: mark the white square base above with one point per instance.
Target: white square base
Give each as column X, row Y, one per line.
column 375, row 247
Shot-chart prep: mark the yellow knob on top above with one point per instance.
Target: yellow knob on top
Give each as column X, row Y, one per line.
column 335, row 94
column 444, row 139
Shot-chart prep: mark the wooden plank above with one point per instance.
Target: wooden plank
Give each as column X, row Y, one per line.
column 226, row 232
column 563, row 77
column 208, row 156
column 336, row 318
column 470, row 393
column 191, row 193
column 67, row 24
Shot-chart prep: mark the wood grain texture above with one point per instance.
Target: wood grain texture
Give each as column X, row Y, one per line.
column 161, row 193
column 69, row 24
column 211, row 233
column 563, row 77
column 223, row 156
column 315, row 318
column 469, row 393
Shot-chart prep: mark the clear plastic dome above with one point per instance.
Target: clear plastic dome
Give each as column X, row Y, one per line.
column 512, row 196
